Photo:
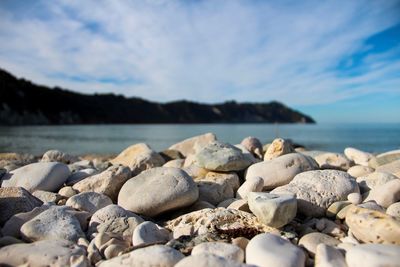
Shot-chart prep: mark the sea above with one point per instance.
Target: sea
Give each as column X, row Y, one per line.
column 112, row 139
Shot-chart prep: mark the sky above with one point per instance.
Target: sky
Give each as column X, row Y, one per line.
column 337, row 61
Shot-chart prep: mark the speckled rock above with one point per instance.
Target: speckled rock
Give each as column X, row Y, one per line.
column 253, row 145
column 371, row 226
column 282, row 170
column 328, row 256
column 266, row 250
column 14, row 200
column 139, row 157
column 373, row 255
column 278, row 148
column 206, row 260
column 88, row 201
column 317, row 190
column 252, row 184
column 312, row 240
column 78, row 176
column 157, row 255
column 358, row 156
column 193, row 144
column 218, row 156
column 47, row 176
column 394, row 210
column 44, row 253
column 271, row 209
column 358, row 170
column 373, row 180
column 216, row 187
column 225, row 250
column 109, row 182
column 335, row 161
column 149, row 233
column 386, row 194
column 169, row 188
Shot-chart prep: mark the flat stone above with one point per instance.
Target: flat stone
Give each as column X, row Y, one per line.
column 14, row 200
column 253, row 184
column 266, row 250
column 271, row 209
column 46, row 196
column 253, row 145
column 217, row 187
column 88, row 201
column 47, row 176
column 394, row 210
column 149, row 233
column 139, row 157
column 218, row 156
column 281, row 170
column 156, row 255
column 278, row 148
column 206, row 260
column 225, row 250
column 317, row 190
column 328, row 256
column 312, row 240
column 335, row 161
column 385, row 158
column 78, row 176
column 44, row 253
column 386, row 194
column 392, row 167
column 372, row 255
column 372, row 180
column 176, row 163
column 108, row 182
column 358, row 156
column 371, row 226
column 193, row 144
column 359, row 170
column 53, row 223
column 158, row 190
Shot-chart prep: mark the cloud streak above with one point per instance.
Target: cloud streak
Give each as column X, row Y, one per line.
column 207, row 51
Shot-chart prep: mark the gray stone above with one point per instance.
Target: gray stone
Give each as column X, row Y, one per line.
column 47, row 176
column 317, row 190
column 192, row 145
column 58, row 156
column 46, row 196
column 149, row 233
column 335, row 161
column 253, row 184
column 372, row 180
column 373, row 255
column 328, row 256
column 253, row 145
column 225, row 250
column 88, row 201
column 78, row 176
column 158, row 190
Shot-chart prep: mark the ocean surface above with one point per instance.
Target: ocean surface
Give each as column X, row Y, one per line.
column 105, row 139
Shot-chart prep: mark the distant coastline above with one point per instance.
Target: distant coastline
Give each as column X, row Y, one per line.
column 25, row 103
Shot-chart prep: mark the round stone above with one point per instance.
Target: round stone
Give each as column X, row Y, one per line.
column 225, row 250
column 354, row 198
column 88, row 201
column 312, row 240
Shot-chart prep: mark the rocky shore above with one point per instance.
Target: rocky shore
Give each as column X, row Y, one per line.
column 201, row 202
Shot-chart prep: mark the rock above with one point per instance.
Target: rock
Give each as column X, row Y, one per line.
column 328, row 256
column 371, row 226
column 253, row 184
column 157, row 255
column 358, row 170
column 341, row 215
column 384, row 158
column 272, row 250
column 282, row 170
column 335, row 161
column 253, row 145
column 225, row 250
column 14, row 200
column 149, row 233
column 78, row 176
column 241, row 242
column 227, row 202
column 67, row 192
column 46, row 196
column 88, row 201
column 58, row 156
column 394, row 210
column 354, row 198
column 312, row 240
column 108, row 182
column 206, row 260
column 106, row 246
column 53, row 223
column 327, row 226
column 9, row 240
column 44, row 253
column 121, row 226
column 247, row 154
column 158, row 190
column 385, row 194
column 336, row 207
column 218, row 156
column 138, row 158
column 176, row 163
column 273, row 210
column 111, row 212
column 193, row 144
column 278, row 148
column 372, row 255
column 392, row 167
column 240, row 204
column 373, row 180
column 2, row 172
column 200, row 204
column 171, row 154
column 47, row 176
column 371, row 205
column 216, row 187
column 317, row 190
column 358, row 156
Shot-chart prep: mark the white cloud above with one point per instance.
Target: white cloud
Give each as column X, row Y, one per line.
column 202, row 50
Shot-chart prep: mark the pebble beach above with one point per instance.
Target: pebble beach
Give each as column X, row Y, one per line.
column 202, row 202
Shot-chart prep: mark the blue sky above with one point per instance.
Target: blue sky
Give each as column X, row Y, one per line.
column 338, row 61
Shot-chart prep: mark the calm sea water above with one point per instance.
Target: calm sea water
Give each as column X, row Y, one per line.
column 84, row 139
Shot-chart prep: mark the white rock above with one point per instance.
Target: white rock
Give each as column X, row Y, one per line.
column 386, row 194
column 47, row 176
column 207, row 260
column 394, row 210
column 328, row 256
column 373, row 180
column 58, row 156
column 158, row 190
column 373, row 255
column 110, row 212
column 271, row 209
column 266, row 250
column 253, row 145
column 225, row 250
column 253, row 184
column 46, row 196
column 156, row 255
column 354, row 198
column 67, row 191
column 358, row 156
column 312, row 240
column 193, row 144
column 78, row 176
column 149, row 233
column 88, row 201
column 176, row 163
column 44, row 253
column 358, row 170
column 334, row 161
column 281, row 170
column 317, row 190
